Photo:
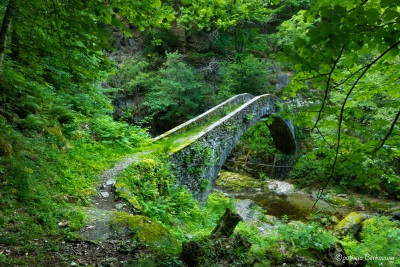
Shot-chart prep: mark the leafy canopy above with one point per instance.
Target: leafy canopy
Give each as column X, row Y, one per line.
column 347, row 64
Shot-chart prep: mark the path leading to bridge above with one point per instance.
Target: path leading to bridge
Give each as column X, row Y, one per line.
column 198, row 149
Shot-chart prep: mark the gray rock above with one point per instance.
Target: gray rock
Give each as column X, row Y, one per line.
column 110, row 181
column 119, row 206
column 245, row 209
column 104, row 194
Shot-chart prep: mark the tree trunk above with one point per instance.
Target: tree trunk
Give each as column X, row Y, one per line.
column 5, row 30
column 226, row 224
column 14, row 54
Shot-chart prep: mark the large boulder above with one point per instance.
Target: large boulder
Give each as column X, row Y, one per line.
column 350, row 225
column 120, row 228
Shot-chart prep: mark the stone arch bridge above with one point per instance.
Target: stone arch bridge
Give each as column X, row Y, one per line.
column 198, row 161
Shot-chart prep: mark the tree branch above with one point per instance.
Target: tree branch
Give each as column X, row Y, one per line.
column 323, row 137
column 327, row 85
column 371, row 28
column 362, row 3
column 382, row 142
column 341, row 118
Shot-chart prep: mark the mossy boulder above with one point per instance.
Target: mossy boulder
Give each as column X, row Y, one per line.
column 123, row 192
column 237, row 182
column 350, row 225
column 145, row 231
column 105, row 226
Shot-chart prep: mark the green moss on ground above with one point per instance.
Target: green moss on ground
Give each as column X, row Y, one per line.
column 237, row 182
column 147, row 232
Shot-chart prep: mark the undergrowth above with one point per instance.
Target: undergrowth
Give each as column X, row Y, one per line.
column 50, row 174
column 149, row 185
column 53, row 146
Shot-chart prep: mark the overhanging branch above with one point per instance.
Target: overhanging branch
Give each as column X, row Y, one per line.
column 327, row 85
column 382, row 142
column 341, row 117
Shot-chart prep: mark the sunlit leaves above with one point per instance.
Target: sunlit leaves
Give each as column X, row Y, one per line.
column 222, row 14
column 350, row 58
column 141, row 14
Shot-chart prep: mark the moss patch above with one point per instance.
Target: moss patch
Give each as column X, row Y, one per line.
column 237, row 182
column 146, row 231
column 350, row 225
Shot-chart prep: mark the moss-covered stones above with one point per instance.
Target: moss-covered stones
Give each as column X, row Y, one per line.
column 106, row 226
column 237, row 182
column 350, row 225
column 145, row 231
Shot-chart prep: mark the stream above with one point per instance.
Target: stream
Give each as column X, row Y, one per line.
column 278, row 198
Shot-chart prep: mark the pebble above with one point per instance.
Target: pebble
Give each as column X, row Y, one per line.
column 119, row 206
column 104, row 194
column 110, row 182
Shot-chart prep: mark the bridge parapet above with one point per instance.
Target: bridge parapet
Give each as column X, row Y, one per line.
column 202, row 118
column 198, row 163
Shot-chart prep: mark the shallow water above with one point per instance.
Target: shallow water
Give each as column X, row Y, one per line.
column 282, row 199
column 296, row 206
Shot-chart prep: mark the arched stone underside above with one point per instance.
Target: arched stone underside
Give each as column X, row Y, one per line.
column 282, row 132
column 198, row 163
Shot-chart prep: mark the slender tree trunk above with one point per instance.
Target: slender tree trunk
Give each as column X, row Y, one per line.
column 14, row 47
column 5, row 30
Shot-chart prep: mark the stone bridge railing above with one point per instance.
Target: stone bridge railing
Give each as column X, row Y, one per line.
column 218, row 110
column 198, row 163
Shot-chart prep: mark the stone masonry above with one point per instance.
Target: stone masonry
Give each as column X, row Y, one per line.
column 198, row 163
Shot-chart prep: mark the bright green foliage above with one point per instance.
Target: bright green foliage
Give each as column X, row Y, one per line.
column 221, row 14
column 289, row 30
column 141, row 14
column 177, row 93
column 349, row 59
column 108, row 131
column 132, row 77
column 52, row 151
column 257, row 143
column 376, row 242
column 248, row 75
column 309, row 236
column 309, row 170
column 153, row 187
column 54, row 172
column 299, row 239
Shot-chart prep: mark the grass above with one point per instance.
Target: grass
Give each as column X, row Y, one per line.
column 51, row 174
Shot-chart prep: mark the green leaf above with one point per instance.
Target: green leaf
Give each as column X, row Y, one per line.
column 388, row 3
column 390, row 14
column 372, row 15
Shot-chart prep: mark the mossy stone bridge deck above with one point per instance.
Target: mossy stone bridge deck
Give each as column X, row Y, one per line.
column 198, row 160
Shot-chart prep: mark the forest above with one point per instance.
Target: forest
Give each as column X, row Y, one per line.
column 86, row 86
